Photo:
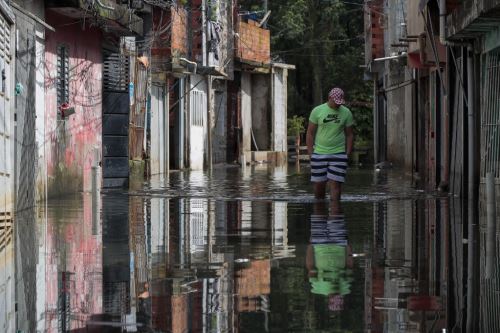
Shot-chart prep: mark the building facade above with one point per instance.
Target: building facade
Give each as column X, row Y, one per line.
column 434, row 65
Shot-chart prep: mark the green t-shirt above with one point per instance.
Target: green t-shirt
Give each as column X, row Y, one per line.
column 330, row 136
column 333, row 276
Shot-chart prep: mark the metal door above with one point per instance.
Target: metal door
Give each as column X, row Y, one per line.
column 197, row 121
column 115, row 121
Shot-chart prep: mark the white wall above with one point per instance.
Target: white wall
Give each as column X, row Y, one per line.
column 197, row 121
column 246, row 110
column 159, row 130
column 279, row 102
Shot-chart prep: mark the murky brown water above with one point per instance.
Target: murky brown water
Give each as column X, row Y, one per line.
column 241, row 251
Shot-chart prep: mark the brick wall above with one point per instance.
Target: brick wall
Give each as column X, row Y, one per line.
column 196, row 30
column 377, row 32
column 179, row 31
column 173, row 41
column 374, row 30
column 253, row 44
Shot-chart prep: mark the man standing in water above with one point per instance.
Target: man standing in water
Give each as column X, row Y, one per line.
column 330, row 139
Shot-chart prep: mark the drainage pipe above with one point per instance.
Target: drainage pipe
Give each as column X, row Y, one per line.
column 471, row 200
column 95, row 191
column 491, row 224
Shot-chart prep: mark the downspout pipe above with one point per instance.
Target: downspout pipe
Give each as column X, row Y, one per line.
column 472, row 226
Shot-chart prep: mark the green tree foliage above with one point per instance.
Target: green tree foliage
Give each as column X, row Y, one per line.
column 296, row 125
column 324, row 39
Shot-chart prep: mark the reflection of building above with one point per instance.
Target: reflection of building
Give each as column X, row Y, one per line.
column 116, row 257
column 7, row 276
column 74, row 276
column 406, row 277
column 191, row 245
column 253, row 286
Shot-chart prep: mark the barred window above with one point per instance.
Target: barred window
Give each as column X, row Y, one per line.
column 62, row 75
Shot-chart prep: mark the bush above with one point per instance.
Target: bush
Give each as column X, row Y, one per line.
column 296, row 126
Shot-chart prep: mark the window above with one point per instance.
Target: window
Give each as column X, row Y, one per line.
column 62, row 75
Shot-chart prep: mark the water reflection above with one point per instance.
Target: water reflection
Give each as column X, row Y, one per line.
column 329, row 258
column 7, row 277
column 160, row 263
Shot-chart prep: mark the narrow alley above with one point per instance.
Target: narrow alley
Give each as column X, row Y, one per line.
column 164, row 164
column 233, row 252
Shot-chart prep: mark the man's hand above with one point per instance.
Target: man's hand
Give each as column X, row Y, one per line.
column 349, row 136
column 311, row 132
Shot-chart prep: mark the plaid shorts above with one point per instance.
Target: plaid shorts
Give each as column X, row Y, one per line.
column 328, row 167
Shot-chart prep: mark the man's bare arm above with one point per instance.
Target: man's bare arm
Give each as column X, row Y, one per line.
column 349, row 135
column 311, row 132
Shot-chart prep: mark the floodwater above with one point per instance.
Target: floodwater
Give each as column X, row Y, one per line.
column 241, row 251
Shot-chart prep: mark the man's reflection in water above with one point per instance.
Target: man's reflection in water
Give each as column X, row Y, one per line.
column 329, row 256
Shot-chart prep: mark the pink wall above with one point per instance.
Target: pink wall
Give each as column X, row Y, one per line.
column 71, row 142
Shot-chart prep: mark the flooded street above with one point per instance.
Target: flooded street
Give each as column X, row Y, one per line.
column 243, row 251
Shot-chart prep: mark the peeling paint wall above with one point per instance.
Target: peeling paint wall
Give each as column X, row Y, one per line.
column 261, row 115
column 71, row 142
column 246, row 111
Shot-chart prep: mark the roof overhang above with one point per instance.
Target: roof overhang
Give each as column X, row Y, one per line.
column 473, row 19
column 117, row 17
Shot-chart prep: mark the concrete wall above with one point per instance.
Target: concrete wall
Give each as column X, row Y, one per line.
column 71, row 142
column 279, row 110
column 396, row 131
column 261, row 110
column 246, row 111
column 395, row 74
column 27, row 166
column 159, row 130
column 409, row 126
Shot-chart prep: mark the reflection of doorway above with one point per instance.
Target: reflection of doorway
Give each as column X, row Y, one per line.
column 116, row 256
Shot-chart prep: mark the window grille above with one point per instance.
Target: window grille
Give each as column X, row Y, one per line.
column 197, row 108
column 116, row 72
column 62, row 75
column 5, row 51
column 198, row 224
column 490, row 115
